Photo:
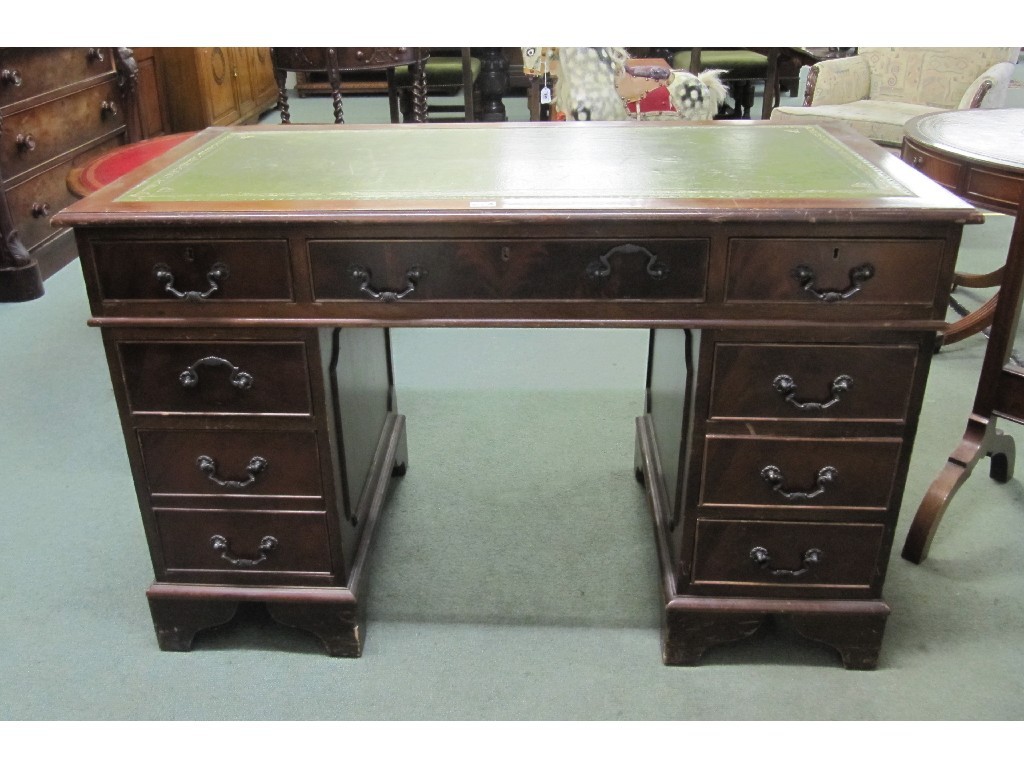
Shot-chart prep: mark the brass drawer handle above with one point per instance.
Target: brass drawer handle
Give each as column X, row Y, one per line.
column 602, row 267
column 11, row 77
column 108, row 108
column 858, row 276
column 763, row 560
column 773, row 476
column 239, row 379
column 208, row 466
column 220, row 544
column 163, row 274
column 40, row 210
column 412, row 277
column 25, row 142
column 785, row 385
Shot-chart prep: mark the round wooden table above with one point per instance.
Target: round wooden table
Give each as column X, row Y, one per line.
column 978, row 154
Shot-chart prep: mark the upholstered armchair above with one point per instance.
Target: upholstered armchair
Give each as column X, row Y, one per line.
column 877, row 91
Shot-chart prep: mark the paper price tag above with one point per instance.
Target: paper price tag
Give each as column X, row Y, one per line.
column 545, row 95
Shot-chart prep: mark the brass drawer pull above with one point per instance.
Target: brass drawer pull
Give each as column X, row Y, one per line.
column 412, row 277
column 220, row 544
column 773, row 476
column 239, row 379
column 256, row 465
column 785, row 385
column 108, row 108
column 763, row 560
column 94, row 54
column 601, row 268
column 25, row 142
column 163, row 274
column 858, row 276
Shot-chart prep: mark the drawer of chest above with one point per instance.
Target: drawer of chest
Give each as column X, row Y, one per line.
column 799, row 472
column 207, row 462
column 830, row 271
column 34, row 71
column 215, row 377
column 35, row 199
column 482, row 270
column 193, row 271
column 836, row 382
column 243, row 542
column 34, row 136
column 753, row 552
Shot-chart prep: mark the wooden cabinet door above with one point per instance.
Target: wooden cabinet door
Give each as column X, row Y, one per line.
column 220, row 90
column 255, row 82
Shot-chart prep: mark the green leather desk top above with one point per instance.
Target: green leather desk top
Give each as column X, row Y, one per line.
column 542, row 164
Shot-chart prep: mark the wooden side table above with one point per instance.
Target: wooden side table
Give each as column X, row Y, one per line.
column 989, row 170
column 977, row 154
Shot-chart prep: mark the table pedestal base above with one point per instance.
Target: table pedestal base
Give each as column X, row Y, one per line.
column 693, row 624
column 981, row 439
column 334, row 614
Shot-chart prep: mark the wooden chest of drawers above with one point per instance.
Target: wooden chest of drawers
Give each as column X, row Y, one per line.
column 246, row 333
column 57, row 105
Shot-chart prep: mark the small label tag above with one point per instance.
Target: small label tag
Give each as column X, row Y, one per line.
column 545, row 95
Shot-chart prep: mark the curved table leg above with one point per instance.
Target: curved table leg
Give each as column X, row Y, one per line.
column 980, row 439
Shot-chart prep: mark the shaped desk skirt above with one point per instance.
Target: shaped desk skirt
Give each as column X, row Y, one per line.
column 794, row 278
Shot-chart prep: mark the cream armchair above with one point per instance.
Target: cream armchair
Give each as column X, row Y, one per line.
column 877, row 91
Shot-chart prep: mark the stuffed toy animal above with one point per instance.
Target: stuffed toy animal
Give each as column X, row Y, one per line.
column 605, row 84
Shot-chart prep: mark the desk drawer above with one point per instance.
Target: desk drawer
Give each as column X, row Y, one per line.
column 482, row 270
column 34, row 136
column 245, row 542
column 231, row 462
column 799, row 472
column 793, row 555
column 835, row 382
column 193, row 272
column 215, row 377
column 828, row 271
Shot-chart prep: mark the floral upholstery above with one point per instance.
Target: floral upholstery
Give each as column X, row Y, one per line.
column 877, row 91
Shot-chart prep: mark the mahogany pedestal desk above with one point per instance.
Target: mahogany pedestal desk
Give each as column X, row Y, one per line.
column 794, row 279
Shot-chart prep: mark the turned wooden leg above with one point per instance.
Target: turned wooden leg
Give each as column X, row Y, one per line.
column 686, row 635
column 857, row 637
column 336, row 624
column 993, row 443
column 177, row 621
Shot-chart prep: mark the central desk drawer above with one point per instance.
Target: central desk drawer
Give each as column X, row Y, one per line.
column 231, row 462
column 245, row 542
column 799, row 472
column 215, row 377
column 826, row 271
column 493, row 270
column 193, row 272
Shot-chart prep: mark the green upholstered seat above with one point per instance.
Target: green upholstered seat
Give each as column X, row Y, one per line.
column 738, row 63
column 441, row 72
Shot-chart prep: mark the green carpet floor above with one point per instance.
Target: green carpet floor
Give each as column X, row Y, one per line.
column 514, row 577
